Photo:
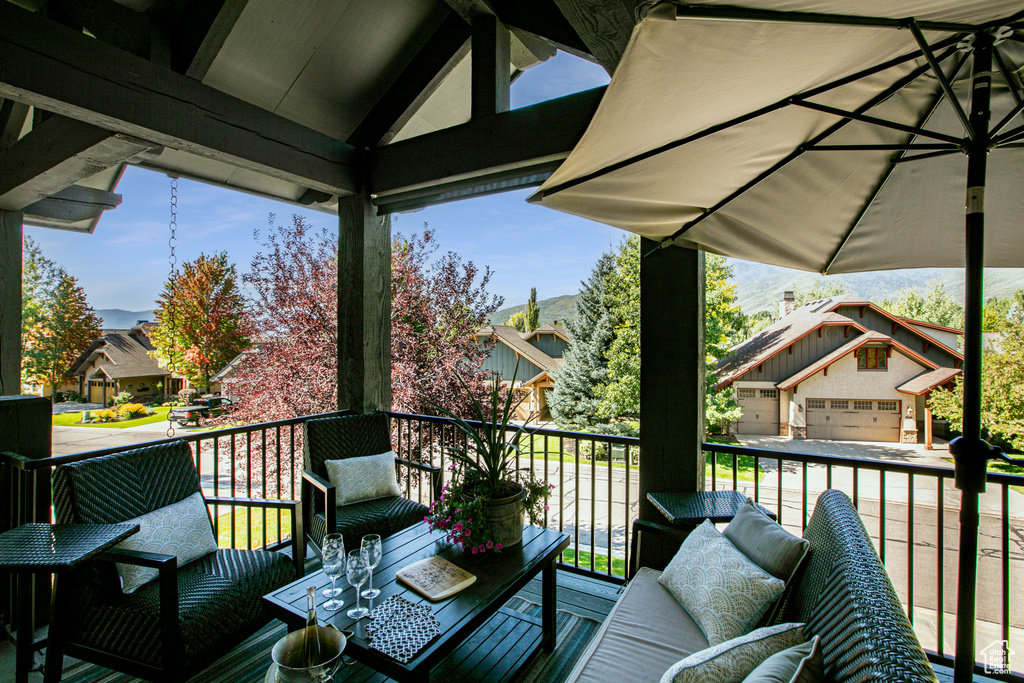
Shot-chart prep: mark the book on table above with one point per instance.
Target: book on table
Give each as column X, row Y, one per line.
column 435, row 578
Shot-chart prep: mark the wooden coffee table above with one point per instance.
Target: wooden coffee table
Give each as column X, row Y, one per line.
column 480, row 638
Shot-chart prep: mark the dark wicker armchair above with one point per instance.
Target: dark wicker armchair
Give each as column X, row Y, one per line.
column 173, row 627
column 350, row 436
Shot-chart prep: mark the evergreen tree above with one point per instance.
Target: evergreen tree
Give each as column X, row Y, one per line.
column 532, row 311
column 574, row 401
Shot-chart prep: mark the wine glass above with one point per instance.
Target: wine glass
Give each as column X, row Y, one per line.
column 371, row 551
column 333, row 565
column 336, row 540
column 357, row 572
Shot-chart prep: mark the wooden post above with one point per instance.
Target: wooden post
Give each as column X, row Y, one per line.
column 10, row 302
column 490, row 57
column 364, row 306
column 927, row 425
column 671, row 372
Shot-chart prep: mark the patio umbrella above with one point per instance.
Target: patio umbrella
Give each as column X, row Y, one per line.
column 834, row 136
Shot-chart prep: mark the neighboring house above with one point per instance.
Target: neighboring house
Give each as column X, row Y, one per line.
column 841, row 368
column 222, row 383
column 538, row 354
column 119, row 361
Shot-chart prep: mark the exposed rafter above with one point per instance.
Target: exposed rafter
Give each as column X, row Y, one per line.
column 111, row 22
column 604, row 25
column 12, row 120
column 66, row 72
column 500, row 148
column 539, row 19
column 57, row 154
column 445, row 48
column 72, row 205
column 200, row 33
column 491, row 56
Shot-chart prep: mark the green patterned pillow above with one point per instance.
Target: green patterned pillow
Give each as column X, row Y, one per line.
column 801, row 663
column 724, row 592
column 181, row 529
column 365, row 478
column 733, row 660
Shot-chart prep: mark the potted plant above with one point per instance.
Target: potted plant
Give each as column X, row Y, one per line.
column 484, row 505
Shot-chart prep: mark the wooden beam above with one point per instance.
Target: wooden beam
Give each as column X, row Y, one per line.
column 364, row 306
column 604, row 25
column 447, row 46
column 12, row 119
column 71, row 205
column 543, row 20
column 672, row 372
column 200, row 32
column 10, row 302
column 490, row 59
column 66, row 72
column 56, row 155
column 111, row 22
column 518, row 140
column 494, row 183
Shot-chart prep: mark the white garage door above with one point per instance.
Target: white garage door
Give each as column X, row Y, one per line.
column 760, row 411
column 855, row 420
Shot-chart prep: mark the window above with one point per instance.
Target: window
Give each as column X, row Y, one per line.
column 840, row 405
column 871, row 358
column 769, row 393
column 746, row 393
column 815, row 404
column 887, row 405
column 862, row 405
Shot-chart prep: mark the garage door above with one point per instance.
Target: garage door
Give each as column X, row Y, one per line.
column 760, row 411
column 854, row 420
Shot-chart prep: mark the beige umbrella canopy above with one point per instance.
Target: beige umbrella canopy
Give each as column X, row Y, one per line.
column 826, row 135
column 726, row 115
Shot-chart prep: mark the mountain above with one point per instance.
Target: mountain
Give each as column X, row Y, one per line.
column 118, row 319
column 559, row 308
column 760, row 287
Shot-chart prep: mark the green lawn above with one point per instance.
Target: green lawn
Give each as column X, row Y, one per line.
column 745, row 464
column 75, row 419
column 255, row 526
column 600, row 562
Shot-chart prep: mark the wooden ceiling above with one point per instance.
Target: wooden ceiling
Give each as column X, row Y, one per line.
column 303, row 100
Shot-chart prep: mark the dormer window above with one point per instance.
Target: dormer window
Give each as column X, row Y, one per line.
column 871, row 358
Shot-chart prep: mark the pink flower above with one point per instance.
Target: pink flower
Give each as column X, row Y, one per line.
column 483, row 548
column 546, row 507
column 497, row 547
column 458, row 526
column 475, row 551
column 490, row 544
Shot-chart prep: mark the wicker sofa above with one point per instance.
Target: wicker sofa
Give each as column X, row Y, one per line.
column 842, row 595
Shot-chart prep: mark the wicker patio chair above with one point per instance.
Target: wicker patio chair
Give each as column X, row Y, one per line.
column 172, row 627
column 350, row 436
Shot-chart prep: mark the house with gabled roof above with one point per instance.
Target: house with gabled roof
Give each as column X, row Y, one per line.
column 841, row 368
column 119, row 361
column 537, row 354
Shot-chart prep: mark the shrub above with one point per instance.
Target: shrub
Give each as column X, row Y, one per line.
column 69, row 396
column 123, row 398
column 131, row 411
column 103, row 415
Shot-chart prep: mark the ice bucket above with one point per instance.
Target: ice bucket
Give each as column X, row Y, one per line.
column 288, row 651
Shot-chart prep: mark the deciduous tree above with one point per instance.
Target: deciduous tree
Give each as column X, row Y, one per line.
column 819, row 289
column 516, row 320
column 934, row 306
column 62, row 328
column 200, row 319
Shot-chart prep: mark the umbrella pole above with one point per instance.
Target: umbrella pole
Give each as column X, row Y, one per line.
column 970, row 452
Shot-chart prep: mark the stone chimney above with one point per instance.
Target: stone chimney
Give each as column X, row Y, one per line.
column 787, row 304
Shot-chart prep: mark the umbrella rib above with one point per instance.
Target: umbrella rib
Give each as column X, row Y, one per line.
column 669, row 146
column 912, row 130
column 776, row 16
column 929, row 155
column 1009, row 136
column 835, row 127
column 879, row 148
column 943, row 81
column 1013, row 92
column 885, row 177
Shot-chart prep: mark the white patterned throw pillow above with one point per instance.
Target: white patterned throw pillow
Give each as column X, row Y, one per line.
column 733, row 660
column 724, row 592
column 181, row 529
column 365, row 478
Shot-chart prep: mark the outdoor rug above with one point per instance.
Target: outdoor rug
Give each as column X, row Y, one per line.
column 248, row 663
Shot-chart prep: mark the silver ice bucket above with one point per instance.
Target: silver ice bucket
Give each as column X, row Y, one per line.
column 288, row 651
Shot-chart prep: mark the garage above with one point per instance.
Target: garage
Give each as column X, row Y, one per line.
column 760, row 411
column 853, row 419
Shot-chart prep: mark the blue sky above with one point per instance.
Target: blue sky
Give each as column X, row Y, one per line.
column 124, row 263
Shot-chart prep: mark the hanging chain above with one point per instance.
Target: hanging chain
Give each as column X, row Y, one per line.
column 172, row 260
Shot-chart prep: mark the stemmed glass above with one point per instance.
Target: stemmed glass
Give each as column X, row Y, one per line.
column 333, row 564
column 336, row 540
column 371, row 552
column 357, row 572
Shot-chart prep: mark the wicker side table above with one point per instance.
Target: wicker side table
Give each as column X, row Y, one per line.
column 44, row 549
column 690, row 509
